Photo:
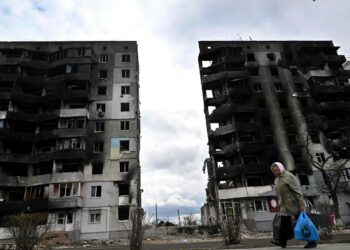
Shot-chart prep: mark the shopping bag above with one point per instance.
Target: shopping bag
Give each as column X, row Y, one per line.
column 276, row 224
column 305, row 229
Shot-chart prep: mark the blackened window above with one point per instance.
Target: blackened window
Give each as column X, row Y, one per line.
column 125, row 90
column 97, row 168
column 124, row 125
column 124, row 166
column 102, row 90
column 101, row 107
column 124, row 189
column 274, row 71
column 100, row 127
column 125, row 73
column 304, row 180
column 98, row 147
column 124, row 107
column 271, row 56
column 254, row 71
column 278, row 86
column 250, row 57
column 269, row 140
column 124, row 145
column 257, row 87
column 123, row 213
column 102, row 74
column 125, row 58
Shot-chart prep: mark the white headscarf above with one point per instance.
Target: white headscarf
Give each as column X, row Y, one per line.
column 279, row 165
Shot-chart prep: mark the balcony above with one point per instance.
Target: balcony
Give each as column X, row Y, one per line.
column 224, row 173
column 71, row 132
column 69, row 154
column 65, row 202
column 74, row 113
column 21, row 116
column 220, row 113
column 7, row 135
column 27, row 205
column 222, row 131
column 227, row 152
column 67, row 177
column 327, row 90
column 244, row 192
column 245, row 108
column 46, row 135
column 251, row 146
column 240, row 91
column 226, row 74
column 12, row 181
column 215, row 101
column 333, row 106
column 13, row 157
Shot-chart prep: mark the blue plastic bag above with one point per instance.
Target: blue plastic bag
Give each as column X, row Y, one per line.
column 305, row 229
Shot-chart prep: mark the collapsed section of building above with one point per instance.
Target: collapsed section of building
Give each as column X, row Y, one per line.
column 262, row 101
column 70, row 134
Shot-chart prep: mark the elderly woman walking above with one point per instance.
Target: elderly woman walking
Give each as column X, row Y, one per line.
column 291, row 202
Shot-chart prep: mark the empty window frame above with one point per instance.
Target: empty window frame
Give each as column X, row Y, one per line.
column 72, row 123
column 66, row 189
column 126, row 58
column 98, row 147
column 269, row 140
column 65, row 218
column 274, row 71
column 123, row 213
column 320, row 157
column 278, row 86
column 99, row 127
column 81, row 52
column 124, row 107
column 258, row 205
column 304, row 180
column 100, row 107
column 124, row 189
column 271, row 57
column 102, row 90
column 103, row 59
column 257, row 87
column 253, row 181
column 250, row 57
column 96, row 191
column 95, row 216
column 125, row 90
column 102, row 74
column 125, row 73
column 124, row 145
column 124, row 125
column 124, row 166
column 97, row 168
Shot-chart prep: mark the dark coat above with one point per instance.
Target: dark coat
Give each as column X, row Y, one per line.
column 289, row 194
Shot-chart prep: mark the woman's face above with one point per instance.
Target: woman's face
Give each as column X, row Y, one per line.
column 276, row 171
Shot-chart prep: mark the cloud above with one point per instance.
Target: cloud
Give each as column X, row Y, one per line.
column 174, row 141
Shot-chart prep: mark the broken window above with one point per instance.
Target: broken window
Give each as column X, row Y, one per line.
column 61, row 218
column 124, row 107
column 98, row 147
column 125, row 90
column 100, row 107
column 304, row 180
column 81, row 51
column 71, row 167
column 269, row 140
column 96, row 191
column 72, row 123
column 257, row 87
column 66, row 189
column 271, row 56
column 95, row 216
column 274, row 71
column 124, row 166
column 103, row 59
column 99, row 127
column 258, row 205
column 102, row 74
column 124, row 145
column 250, row 57
column 97, row 168
column 125, row 58
column 123, row 213
column 102, row 90
column 320, row 157
column 65, row 218
column 254, row 181
column 298, row 86
column 278, row 86
column 125, row 73
column 124, row 125
column 124, row 189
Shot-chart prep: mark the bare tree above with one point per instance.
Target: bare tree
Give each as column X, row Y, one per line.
column 190, row 220
column 139, row 222
column 27, row 229
column 231, row 230
column 331, row 169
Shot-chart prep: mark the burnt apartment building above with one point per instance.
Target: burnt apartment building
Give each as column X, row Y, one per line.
column 70, row 134
column 262, row 101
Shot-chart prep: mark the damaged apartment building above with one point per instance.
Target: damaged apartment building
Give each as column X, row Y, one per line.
column 261, row 100
column 70, row 134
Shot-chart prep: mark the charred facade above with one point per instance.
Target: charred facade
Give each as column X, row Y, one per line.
column 261, row 99
column 70, row 134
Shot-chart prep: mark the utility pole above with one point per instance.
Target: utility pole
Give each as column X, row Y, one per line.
column 178, row 214
column 156, row 216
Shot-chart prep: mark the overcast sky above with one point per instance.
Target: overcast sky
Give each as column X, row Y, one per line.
column 174, row 141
